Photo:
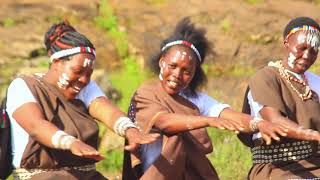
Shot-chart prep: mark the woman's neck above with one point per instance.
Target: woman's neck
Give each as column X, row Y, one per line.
column 49, row 78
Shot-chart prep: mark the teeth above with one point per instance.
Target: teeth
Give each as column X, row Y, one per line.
column 76, row 89
column 172, row 84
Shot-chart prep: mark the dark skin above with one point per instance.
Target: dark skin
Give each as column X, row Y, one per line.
column 305, row 55
column 178, row 68
column 78, row 72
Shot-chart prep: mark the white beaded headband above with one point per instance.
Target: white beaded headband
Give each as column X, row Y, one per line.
column 68, row 52
column 178, row 42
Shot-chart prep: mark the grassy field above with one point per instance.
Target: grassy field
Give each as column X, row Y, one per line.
column 231, row 159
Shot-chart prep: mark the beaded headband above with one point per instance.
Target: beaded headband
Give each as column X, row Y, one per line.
column 75, row 50
column 178, row 42
column 312, row 29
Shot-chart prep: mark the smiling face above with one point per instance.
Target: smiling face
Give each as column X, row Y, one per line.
column 177, row 68
column 302, row 48
column 74, row 74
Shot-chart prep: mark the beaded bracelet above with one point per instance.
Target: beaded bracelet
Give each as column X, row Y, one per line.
column 254, row 124
column 62, row 140
column 122, row 124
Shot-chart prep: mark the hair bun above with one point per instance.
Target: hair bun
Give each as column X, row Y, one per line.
column 55, row 32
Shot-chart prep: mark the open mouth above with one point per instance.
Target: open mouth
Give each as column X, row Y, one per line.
column 76, row 89
column 173, row 84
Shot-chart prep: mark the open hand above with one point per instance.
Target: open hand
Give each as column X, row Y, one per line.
column 271, row 130
column 82, row 149
column 227, row 124
column 135, row 137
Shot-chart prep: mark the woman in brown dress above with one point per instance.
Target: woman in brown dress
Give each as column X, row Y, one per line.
column 285, row 92
column 173, row 107
column 54, row 134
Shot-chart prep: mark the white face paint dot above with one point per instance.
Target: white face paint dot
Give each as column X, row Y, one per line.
column 87, row 62
column 63, row 80
column 291, row 60
column 301, row 38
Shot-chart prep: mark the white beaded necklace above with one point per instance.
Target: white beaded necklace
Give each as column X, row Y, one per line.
column 289, row 78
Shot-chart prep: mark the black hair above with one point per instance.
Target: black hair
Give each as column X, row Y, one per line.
column 64, row 36
column 186, row 30
column 299, row 22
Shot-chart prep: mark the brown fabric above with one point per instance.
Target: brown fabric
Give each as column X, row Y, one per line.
column 69, row 116
column 69, row 175
column 183, row 155
column 268, row 88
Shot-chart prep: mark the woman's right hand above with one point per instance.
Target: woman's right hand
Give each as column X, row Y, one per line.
column 227, row 124
column 82, row 149
column 271, row 130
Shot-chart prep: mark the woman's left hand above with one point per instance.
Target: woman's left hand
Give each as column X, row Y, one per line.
column 135, row 137
column 271, row 130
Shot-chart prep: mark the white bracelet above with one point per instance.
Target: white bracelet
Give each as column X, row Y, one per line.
column 127, row 126
column 254, row 124
column 122, row 124
column 56, row 138
column 66, row 141
column 62, row 140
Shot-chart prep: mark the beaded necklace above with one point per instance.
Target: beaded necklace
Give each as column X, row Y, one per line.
column 289, row 78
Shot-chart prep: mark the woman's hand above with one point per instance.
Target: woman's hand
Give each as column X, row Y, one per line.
column 227, row 124
column 271, row 130
column 82, row 149
column 135, row 137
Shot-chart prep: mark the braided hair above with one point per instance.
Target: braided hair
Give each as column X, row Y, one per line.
column 185, row 30
column 63, row 36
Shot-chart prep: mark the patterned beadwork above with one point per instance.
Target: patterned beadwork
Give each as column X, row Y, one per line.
column 23, row 174
column 291, row 151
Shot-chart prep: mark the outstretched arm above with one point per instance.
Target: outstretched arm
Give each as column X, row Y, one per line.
column 172, row 123
column 268, row 130
column 294, row 130
column 105, row 111
column 48, row 134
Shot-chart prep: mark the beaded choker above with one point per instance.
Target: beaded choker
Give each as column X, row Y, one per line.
column 307, row 94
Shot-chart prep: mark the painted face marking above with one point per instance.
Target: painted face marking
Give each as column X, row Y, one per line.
column 291, row 60
column 301, row 38
column 87, row 62
column 311, row 38
column 161, row 70
column 63, row 80
column 176, row 56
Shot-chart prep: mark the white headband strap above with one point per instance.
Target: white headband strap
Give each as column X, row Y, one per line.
column 184, row 43
column 68, row 52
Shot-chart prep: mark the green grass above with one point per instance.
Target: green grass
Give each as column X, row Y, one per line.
column 253, row 2
column 108, row 21
column 9, row 22
column 127, row 80
column 230, row 157
column 230, row 70
column 156, row 2
column 225, row 25
column 113, row 161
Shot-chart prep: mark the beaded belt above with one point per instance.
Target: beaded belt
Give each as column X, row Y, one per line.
column 22, row 174
column 291, row 151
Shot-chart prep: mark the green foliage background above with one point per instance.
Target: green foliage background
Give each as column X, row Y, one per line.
column 230, row 158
